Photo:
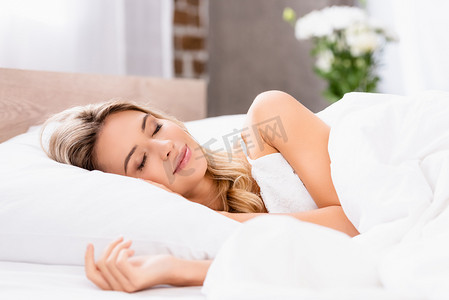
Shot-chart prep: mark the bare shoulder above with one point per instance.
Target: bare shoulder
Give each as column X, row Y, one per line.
column 265, row 102
column 264, row 127
column 272, row 108
column 263, row 122
column 278, row 122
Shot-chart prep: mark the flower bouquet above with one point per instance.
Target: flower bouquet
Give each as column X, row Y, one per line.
column 346, row 47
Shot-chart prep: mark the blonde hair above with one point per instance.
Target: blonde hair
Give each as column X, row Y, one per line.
column 73, row 142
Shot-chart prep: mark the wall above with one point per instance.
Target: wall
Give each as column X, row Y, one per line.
column 127, row 37
column 190, row 30
column 419, row 60
column 251, row 49
column 148, row 31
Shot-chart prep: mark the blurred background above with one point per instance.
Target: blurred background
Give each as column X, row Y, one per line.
column 239, row 47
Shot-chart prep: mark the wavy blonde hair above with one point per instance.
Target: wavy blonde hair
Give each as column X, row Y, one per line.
column 73, row 141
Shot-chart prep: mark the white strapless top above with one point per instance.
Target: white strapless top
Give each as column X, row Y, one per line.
column 281, row 189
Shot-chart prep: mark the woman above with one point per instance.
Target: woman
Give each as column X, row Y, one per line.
column 125, row 139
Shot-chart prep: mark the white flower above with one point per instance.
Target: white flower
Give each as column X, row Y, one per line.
column 325, row 60
column 323, row 23
column 312, row 25
column 361, row 39
column 341, row 17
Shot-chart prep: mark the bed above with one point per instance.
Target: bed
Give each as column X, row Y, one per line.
column 43, row 241
column 390, row 167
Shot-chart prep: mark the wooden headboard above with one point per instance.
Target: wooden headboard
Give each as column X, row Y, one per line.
column 29, row 97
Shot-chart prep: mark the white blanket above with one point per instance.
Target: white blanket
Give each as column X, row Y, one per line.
column 390, row 167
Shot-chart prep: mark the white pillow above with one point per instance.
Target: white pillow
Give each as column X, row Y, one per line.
column 218, row 132
column 50, row 211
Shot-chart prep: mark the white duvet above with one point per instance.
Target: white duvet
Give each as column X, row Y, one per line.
column 390, row 167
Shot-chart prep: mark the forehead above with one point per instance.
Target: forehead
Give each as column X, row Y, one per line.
column 123, row 119
column 116, row 138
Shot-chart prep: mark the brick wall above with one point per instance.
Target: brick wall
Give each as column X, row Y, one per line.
column 190, row 37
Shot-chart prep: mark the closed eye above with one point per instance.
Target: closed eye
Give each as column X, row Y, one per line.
column 144, row 159
column 158, row 127
column 142, row 164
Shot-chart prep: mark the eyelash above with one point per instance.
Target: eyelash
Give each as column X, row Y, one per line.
column 142, row 164
column 158, row 127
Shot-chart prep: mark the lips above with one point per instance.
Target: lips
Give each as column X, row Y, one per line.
column 182, row 159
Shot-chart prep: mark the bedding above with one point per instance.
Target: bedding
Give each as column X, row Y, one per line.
column 24, row 281
column 50, row 211
column 29, row 97
column 391, row 170
column 281, row 189
column 390, row 167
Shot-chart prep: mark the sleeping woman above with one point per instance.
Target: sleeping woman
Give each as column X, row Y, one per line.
column 123, row 138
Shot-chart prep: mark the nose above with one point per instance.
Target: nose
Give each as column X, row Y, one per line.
column 163, row 148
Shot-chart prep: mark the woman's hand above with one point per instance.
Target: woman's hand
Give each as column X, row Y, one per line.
column 118, row 270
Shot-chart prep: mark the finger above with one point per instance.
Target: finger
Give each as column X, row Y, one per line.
column 134, row 261
column 101, row 264
column 111, row 263
column 125, row 262
column 111, row 247
column 92, row 273
column 128, row 265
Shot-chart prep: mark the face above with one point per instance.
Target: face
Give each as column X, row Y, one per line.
column 136, row 144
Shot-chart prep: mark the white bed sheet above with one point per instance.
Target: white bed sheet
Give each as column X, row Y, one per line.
column 38, row 281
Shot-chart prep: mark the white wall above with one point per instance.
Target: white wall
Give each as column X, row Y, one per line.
column 92, row 36
column 420, row 60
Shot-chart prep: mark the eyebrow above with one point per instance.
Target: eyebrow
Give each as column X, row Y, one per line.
column 128, row 157
column 144, row 121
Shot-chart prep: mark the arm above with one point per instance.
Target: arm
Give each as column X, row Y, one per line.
column 302, row 138
column 299, row 135
column 330, row 216
column 118, row 270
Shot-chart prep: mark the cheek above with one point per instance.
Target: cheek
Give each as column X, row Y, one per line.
column 203, row 164
column 198, row 161
column 162, row 173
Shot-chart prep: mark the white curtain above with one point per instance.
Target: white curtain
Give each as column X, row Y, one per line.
column 420, row 60
column 91, row 36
